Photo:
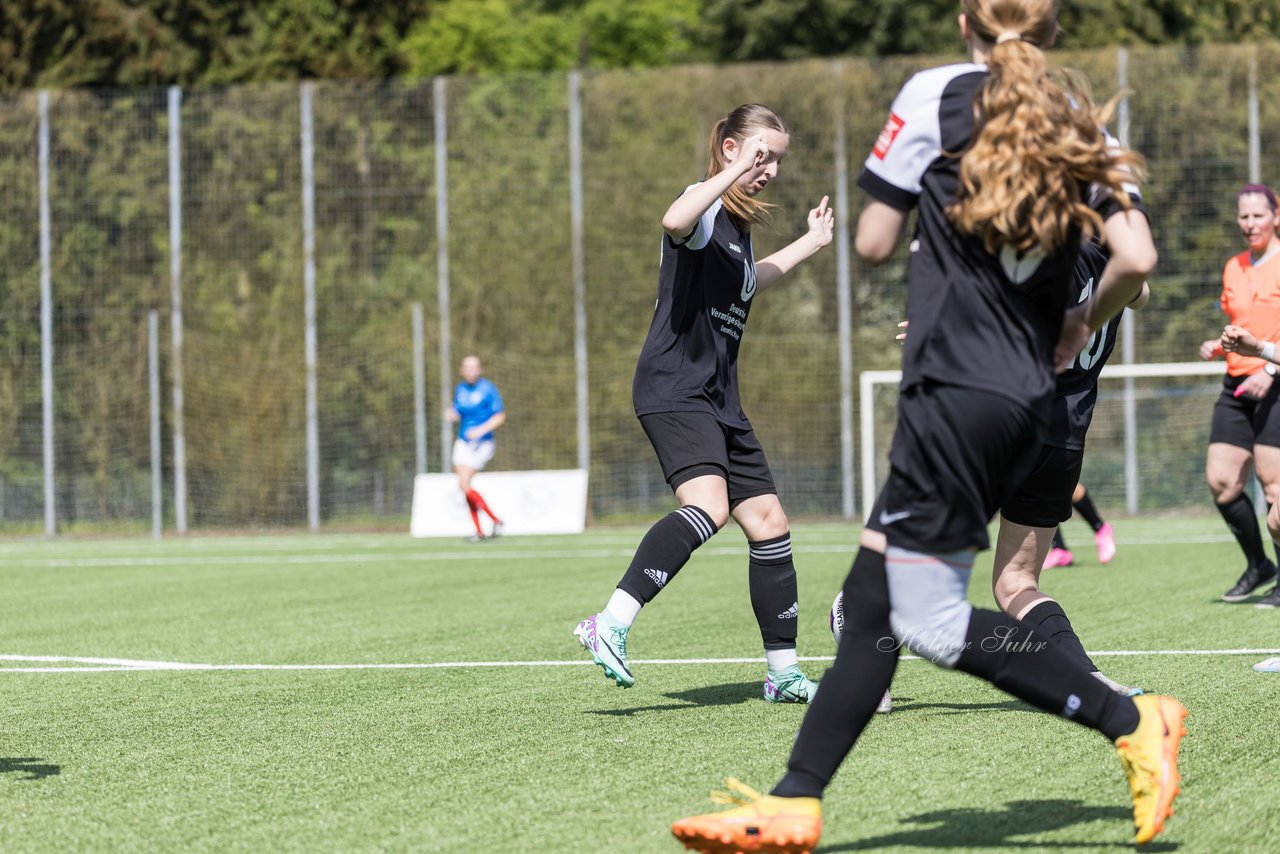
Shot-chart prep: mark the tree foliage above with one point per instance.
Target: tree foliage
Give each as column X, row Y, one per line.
column 122, row 43
column 64, row 43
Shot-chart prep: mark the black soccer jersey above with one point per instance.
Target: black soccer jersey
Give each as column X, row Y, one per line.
column 1077, row 390
column 689, row 362
column 978, row 320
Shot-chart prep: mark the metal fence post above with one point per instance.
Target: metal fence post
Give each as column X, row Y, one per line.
column 1255, row 130
column 1127, row 344
column 419, row 393
column 153, row 377
column 309, row 307
column 579, row 268
column 844, row 301
column 442, row 265
column 46, row 322
column 175, row 310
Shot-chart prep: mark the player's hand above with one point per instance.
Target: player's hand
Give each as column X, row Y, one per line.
column 754, row 152
column 1075, row 334
column 822, row 222
column 1211, row 349
column 1255, row 386
column 473, row 434
column 451, row 415
column 1237, row 339
column 901, row 337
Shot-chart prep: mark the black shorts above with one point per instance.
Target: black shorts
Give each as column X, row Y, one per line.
column 1244, row 421
column 1043, row 499
column 692, row 444
column 957, row 454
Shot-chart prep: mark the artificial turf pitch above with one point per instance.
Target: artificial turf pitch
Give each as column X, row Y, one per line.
column 377, row 693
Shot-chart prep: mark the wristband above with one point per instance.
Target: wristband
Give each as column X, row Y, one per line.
column 1269, row 350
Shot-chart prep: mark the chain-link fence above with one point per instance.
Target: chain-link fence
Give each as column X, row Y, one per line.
column 194, row 205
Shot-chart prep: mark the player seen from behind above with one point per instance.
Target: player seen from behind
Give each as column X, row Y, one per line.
column 998, row 230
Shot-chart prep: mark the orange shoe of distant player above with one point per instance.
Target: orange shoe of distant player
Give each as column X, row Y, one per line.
column 758, row 823
column 1150, row 758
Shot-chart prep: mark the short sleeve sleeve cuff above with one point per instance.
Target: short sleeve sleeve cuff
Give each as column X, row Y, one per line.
column 882, row 191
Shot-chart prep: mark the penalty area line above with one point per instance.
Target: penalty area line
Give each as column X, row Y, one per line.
column 70, row 664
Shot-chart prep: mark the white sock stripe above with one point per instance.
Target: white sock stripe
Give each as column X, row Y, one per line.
column 699, row 521
column 771, row 551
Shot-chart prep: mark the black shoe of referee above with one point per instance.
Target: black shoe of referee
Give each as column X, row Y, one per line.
column 1253, row 578
column 1271, row 600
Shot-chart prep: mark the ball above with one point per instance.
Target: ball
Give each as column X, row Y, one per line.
column 837, row 617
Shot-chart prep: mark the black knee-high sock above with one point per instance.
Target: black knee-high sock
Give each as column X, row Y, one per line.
column 851, row 688
column 1087, row 509
column 1048, row 618
column 664, row 549
column 1031, row 667
column 1058, row 541
column 1242, row 520
column 771, row 577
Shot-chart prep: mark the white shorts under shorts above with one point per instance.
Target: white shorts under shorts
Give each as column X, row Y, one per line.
column 473, row 455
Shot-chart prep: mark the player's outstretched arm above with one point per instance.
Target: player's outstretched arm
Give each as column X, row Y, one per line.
column 777, row 265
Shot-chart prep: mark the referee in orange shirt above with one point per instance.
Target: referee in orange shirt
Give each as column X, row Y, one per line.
column 1246, row 420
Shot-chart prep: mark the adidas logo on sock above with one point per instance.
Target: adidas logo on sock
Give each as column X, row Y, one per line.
column 791, row 613
column 659, row 577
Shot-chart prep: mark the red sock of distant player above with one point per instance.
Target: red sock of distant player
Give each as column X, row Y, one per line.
column 475, row 516
column 475, row 502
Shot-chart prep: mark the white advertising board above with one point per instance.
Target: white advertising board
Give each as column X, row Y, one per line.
column 527, row 502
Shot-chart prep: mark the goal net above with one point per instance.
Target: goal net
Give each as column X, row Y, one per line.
column 1146, row 445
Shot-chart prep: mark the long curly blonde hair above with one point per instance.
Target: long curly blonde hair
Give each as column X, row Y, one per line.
column 741, row 123
column 1038, row 146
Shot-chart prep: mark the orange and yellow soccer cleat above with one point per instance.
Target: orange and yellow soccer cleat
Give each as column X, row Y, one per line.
column 757, row 823
column 1150, row 758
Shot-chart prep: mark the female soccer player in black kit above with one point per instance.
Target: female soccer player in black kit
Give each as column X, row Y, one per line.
column 686, row 396
column 1008, row 173
column 1031, row 516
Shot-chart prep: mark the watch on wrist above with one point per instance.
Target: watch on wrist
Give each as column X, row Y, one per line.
column 1270, row 369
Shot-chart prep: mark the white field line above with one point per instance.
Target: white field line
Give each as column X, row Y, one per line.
column 122, row 665
column 479, row 552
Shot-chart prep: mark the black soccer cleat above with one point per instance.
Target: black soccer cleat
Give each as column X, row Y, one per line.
column 1253, row 578
column 1271, row 600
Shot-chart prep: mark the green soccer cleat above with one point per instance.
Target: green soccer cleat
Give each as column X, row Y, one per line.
column 789, row 686
column 607, row 643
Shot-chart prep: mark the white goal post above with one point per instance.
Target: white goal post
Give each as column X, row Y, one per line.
column 869, row 380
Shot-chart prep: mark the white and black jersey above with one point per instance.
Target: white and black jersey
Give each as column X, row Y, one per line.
column 689, row 362
column 978, row 320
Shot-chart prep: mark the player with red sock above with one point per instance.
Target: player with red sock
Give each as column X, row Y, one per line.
column 477, row 410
